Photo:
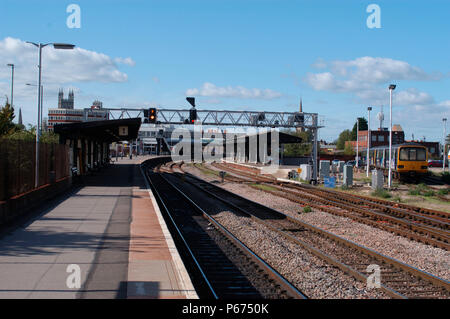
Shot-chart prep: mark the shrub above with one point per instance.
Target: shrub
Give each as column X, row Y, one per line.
column 443, row 192
column 381, row 193
column 307, row 209
column 429, row 193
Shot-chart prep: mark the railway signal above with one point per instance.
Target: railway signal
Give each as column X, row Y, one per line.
column 192, row 111
column 152, row 115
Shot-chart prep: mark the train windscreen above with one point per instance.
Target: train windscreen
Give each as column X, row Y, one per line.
column 412, row 154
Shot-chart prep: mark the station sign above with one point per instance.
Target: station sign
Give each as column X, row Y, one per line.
column 123, row 130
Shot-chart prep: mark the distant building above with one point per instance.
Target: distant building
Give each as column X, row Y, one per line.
column 66, row 113
column 379, row 137
column 66, row 103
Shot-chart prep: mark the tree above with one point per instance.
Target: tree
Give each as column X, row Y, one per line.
column 345, row 136
column 6, row 119
column 348, row 150
column 299, row 149
column 362, row 127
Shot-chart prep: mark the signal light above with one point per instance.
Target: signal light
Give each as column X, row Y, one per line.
column 152, row 115
column 192, row 115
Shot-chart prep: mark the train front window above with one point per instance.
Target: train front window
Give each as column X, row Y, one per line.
column 412, row 154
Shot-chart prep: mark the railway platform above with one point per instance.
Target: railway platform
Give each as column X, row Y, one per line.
column 104, row 239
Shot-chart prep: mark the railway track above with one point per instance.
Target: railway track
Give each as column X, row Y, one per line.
column 422, row 225
column 221, row 266
column 398, row 279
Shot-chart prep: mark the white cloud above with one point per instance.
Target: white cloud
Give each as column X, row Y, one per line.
column 59, row 66
column 211, row 90
column 126, row 61
column 367, row 79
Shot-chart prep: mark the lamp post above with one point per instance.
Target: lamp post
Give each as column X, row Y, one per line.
column 58, row 46
column 12, row 83
column 444, row 121
column 391, row 88
column 368, row 142
column 42, row 104
column 357, row 142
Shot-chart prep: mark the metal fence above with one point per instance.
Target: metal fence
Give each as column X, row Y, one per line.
column 18, row 164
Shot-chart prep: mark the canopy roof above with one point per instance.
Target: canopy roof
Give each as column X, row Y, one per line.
column 101, row 131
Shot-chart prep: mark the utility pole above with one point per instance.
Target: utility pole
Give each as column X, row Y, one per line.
column 357, row 142
column 444, row 121
column 368, row 142
column 12, row 83
column 391, row 88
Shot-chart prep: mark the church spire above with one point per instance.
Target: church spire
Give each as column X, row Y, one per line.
column 20, row 117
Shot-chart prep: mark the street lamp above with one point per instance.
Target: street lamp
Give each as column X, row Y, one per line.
column 391, row 88
column 444, row 121
column 60, row 46
column 42, row 103
column 12, row 83
column 368, row 142
column 357, row 142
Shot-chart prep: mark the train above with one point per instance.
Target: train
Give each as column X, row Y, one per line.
column 409, row 159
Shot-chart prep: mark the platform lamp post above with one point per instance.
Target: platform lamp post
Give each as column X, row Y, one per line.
column 58, row 46
column 391, row 88
column 42, row 103
column 12, row 83
column 357, row 142
column 444, row 121
column 368, row 142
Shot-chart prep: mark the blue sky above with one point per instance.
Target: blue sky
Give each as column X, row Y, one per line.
column 247, row 54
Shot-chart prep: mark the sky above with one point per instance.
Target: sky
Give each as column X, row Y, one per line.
column 337, row 56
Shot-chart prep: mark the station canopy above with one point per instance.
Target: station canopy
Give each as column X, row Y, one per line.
column 102, row 131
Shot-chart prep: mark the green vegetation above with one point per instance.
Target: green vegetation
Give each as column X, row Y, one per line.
column 381, row 193
column 17, row 132
column 344, row 187
column 397, row 199
column 362, row 127
column 264, row 187
column 299, row 149
column 307, row 209
column 420, row 189
column 206, row 171
column 429, row 193
column 345, row 135
column 443, row 192
column 348, row 135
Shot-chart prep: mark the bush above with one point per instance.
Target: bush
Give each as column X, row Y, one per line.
column 414, row 192
column 429, row 193
column 397, row 199
column 381, row 193
column 307, row 209
column 443, row 192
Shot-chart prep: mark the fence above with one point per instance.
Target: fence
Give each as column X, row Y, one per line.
column 18, row 164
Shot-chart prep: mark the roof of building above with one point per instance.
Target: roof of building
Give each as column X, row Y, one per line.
column 102, row 131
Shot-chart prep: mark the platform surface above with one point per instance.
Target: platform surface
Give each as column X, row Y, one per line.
column 109, row 231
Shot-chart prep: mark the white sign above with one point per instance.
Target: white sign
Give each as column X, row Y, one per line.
column 123, row 130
